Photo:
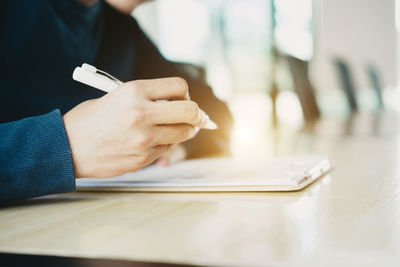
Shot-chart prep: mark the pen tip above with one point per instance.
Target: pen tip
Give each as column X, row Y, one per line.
column 210, row 125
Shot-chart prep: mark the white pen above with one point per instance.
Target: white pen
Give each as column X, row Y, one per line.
column 101, row 80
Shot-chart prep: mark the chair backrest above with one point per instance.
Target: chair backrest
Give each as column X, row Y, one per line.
column 303, row 88
column 376, row 84
column 346, row 83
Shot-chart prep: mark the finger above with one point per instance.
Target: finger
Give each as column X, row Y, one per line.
column 173, row 88
column 158, row 150
column 149, row 156
column 173, row 112
column 173, row 133
column 163, row 161
column 176, row 153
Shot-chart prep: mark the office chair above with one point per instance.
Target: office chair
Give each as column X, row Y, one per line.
column 346, row 82
column 303, row 88
column 376, row 84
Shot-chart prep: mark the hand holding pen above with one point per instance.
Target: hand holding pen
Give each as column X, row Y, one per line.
column 129, row 128
column 103, row 81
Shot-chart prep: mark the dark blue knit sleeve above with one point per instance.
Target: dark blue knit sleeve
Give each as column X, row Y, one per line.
column 35, row 158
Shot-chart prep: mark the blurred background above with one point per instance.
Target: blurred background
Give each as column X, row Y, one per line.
column 287, row 65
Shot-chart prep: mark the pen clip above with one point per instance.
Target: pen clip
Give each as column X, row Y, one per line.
column 89, row 75
column 93, row 69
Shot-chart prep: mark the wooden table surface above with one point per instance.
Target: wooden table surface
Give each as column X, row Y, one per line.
column 351, row 217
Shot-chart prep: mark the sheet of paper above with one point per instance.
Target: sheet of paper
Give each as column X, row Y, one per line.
column 214, row 173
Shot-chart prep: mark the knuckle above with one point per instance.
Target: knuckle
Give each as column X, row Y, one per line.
column 139, row 115
column 134, row 87
column 143, row 141
column 144, row 158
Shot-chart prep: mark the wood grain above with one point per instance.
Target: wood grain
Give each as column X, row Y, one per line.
column 351, row 217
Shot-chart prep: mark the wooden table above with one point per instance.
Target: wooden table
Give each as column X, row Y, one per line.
column 351, row 217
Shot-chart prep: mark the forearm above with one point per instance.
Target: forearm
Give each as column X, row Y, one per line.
column 35, row 158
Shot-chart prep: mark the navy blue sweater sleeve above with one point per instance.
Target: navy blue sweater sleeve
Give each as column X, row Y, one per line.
column 35, row 158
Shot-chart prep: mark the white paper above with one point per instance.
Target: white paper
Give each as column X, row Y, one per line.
column 224, row 172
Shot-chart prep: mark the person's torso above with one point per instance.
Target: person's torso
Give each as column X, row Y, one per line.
column 42, row 41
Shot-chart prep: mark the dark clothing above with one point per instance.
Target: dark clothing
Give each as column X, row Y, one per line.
column 35, row 158
column 42, row 41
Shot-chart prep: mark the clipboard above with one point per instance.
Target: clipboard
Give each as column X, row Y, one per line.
column 218, row 175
